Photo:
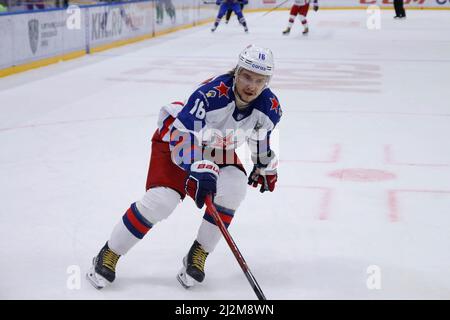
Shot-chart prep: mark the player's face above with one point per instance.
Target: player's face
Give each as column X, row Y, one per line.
column 249, row 85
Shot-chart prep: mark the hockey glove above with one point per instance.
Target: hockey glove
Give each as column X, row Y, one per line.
column 265, row 175
column 202, row 180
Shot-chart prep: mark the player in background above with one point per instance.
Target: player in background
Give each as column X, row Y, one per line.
column 233, row 5
column 193, row 153
column 242, row 3
column 300, row 8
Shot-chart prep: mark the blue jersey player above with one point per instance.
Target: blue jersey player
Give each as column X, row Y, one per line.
column 193, row 154
column 234, row 5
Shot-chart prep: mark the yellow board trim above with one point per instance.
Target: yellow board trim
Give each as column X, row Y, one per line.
column 48, row 61
column 120, row 43
column 41, row 63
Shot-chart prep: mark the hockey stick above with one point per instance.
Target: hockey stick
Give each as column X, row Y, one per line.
column 251, row 279
column 274, row 8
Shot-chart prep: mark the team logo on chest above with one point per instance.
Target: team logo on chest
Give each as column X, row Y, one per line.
column 222, row 89
column 211, row 94
column 221, row 142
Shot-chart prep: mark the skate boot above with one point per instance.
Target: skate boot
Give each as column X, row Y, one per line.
column 246, row 29
column 305, row 32
column 193, row 266
column 287, row 31
column 103, row 270
column 213, row 28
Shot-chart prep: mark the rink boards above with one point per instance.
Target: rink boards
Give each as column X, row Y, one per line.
column 33, row 39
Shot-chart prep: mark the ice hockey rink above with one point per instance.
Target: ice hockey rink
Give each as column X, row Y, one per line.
column 362, row 205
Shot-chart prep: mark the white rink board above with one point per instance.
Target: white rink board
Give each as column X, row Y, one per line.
column 36, row 36
column 32, row 36
column 6, row 41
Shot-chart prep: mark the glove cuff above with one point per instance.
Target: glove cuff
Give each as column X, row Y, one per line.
column 265, row 160
column 205, row 166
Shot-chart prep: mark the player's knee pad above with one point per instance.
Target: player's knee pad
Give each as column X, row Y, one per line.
column 158, row 203
column 231, row 188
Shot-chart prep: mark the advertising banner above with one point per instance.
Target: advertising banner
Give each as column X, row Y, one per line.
column 176, row 13
column 110, row 23
column 41, row 35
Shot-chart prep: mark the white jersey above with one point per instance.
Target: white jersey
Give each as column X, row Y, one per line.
column 221, row 124
column 211, row 116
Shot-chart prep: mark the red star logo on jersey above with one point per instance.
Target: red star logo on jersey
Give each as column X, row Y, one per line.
column 223, row 89
column 275, row 104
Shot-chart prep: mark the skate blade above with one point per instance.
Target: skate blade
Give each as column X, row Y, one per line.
column 185, row 280
column 97, row 281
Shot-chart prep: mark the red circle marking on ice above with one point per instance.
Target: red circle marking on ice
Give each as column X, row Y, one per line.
column 362, row 175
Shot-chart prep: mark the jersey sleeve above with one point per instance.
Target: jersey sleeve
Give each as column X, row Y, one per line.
column 185, row 136
column 259, row 141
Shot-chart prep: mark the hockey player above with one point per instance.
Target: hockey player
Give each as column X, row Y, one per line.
column 242, row 3
column 300, row 7
column 233, row 5
column 193, row 153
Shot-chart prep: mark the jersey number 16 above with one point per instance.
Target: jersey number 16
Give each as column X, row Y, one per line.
column 199, row 107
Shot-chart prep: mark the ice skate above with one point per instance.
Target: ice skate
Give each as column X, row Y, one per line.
column 287, row 31
column 246, row 29
column 103, row 269
column 193, row 266
column 305, row 32
column 213, row 28
column 185, row 280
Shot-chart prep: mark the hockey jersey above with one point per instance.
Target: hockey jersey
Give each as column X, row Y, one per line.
column 211, row 119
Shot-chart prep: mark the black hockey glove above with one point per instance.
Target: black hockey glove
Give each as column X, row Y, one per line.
column 265, row 172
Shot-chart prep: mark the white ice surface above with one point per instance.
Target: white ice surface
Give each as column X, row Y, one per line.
column 75, row 139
